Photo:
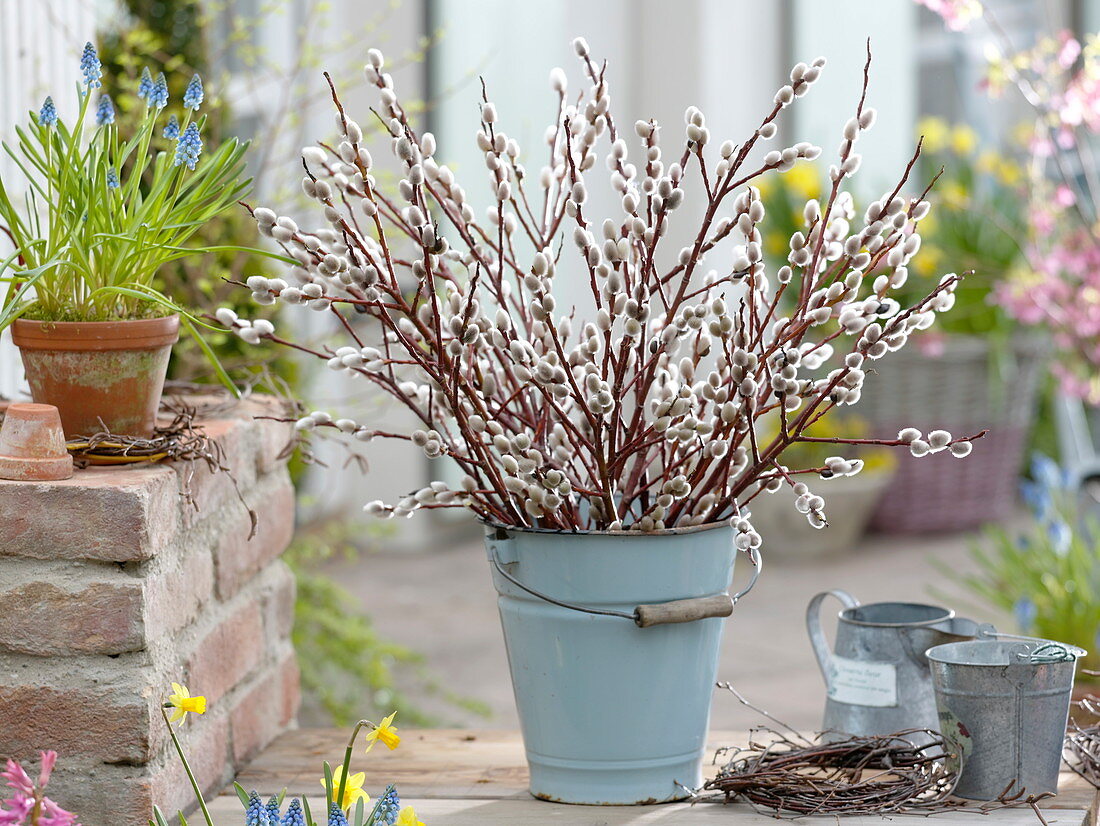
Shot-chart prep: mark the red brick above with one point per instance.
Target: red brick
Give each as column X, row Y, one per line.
column 176, row 594
column 103, row 795
column 227, row 654
column 112, row 514
column 291, row 678
column 278, row 602
column 274, row 443
column 205, row 741
column 43, row 619
column 75, row 721
column 260, row 714
column 236, row 557
column 207, row 491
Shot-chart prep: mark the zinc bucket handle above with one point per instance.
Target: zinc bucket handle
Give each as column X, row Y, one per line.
column 1047, row 652
column 662, row 613
column 813, row 625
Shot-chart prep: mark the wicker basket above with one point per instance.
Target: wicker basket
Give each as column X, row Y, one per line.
column 966, row 388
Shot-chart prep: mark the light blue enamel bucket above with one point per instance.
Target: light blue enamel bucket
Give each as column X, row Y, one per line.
column 613, row 642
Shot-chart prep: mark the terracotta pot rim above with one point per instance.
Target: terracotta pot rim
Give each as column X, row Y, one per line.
column 95, row 336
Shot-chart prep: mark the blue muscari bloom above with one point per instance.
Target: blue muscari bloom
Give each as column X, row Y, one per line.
column 192, row 98
column 388, row 808
column 294, row 816
column 255, row 814
column 105, row 111
column 188, row 147
column 112, row 179
column 47, row 115
column 1046, row 472
column 336, row 816
column 158, row 97
column 273, row 810
column 1024, row 610
column 145, row 85
column 1061, row 536
column 172, row 128
column 91, row 67
column 1038, row 498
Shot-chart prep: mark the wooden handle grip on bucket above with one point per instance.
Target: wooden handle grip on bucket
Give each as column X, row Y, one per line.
column 683, row 610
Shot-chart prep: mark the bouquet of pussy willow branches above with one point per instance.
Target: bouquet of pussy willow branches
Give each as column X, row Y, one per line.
column 645, row 409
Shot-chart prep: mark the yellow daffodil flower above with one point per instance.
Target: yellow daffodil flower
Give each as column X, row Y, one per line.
column 407, row 817
column 385, row 732
column 353, row 789
column 183, row 703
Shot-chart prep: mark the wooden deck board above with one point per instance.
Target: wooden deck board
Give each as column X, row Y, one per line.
column 479, row 777
column 530, row 812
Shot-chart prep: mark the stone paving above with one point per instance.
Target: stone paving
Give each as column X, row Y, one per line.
column 441, row 603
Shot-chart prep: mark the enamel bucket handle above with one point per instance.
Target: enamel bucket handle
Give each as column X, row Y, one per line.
column 813, row 625
column 644, row 616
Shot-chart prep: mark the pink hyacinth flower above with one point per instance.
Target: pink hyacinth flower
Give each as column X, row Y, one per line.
column 17, row 778
column 49, row 758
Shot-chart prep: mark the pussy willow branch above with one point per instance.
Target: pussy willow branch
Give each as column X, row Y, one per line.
column 647, row 411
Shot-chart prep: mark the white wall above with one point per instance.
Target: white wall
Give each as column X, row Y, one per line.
column 662, row 56
column 838, row 30
column 40, row 45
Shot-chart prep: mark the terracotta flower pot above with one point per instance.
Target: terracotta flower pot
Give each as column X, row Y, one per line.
column 32, row 446
column 98, row 371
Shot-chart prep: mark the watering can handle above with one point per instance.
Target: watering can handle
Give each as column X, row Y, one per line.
column 662, row 613
column 813, row 625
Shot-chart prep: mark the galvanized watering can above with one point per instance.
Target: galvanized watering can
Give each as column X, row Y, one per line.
column 1003, row 707
column 878, row 681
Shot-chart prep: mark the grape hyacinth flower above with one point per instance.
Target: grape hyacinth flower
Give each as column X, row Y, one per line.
column 158, row 97
column 47, row 115
column 388, row 807
column 336, row 816
column 105, row 111
column 172, row 128
column 1024, row 612
column 145, row 85
column 91, row 67
column 255, row 814
column 294, row 816
column 273, row 815
column 188, row 147
column 112, row 179
column 193, row 97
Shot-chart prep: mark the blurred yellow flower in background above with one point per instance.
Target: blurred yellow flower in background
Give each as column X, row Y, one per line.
column 964, row 140
column 936, row 133
column 802, row 180
column 928, row 260
column 954, row 194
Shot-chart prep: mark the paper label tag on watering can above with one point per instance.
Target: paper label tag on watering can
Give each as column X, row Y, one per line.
column 861, row 683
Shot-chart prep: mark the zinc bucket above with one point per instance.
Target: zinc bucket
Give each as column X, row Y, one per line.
column 1003, row 705
column 613, row 642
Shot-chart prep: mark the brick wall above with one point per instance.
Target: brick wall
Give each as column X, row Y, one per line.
column 113, row 585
